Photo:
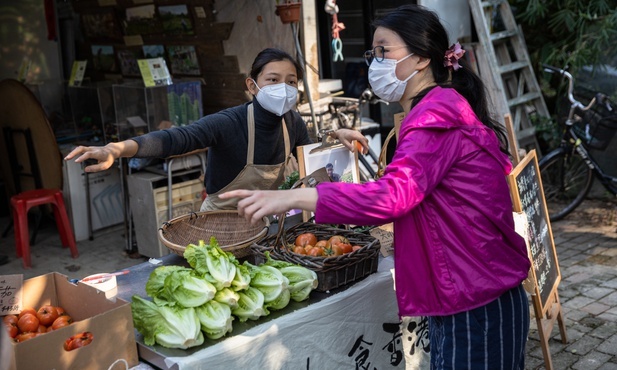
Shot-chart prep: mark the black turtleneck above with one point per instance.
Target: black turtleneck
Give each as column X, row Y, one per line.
column 226, row 135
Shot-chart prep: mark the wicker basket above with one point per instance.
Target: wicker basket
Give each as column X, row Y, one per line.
column 233, row 233
column 332, row 272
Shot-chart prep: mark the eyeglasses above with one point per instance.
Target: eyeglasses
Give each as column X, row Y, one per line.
column 379, row 53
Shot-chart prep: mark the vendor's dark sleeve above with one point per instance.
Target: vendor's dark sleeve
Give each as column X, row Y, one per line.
column 225, row 134
column 302, row 135
column 179, row 140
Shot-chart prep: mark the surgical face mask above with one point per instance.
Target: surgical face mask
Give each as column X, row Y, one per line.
column 277, row 98
column 383, row 80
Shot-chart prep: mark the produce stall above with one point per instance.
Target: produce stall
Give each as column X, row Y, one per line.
column 355, row 326
column 199, row 307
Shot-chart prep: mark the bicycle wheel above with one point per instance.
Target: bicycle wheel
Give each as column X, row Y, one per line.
column 566, row 180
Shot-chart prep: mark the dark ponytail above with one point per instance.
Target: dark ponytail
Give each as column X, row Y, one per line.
column 425, row 36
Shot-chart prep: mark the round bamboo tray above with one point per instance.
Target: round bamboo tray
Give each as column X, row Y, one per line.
column 233, row 233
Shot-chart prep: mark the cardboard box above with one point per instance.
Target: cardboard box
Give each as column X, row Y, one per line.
column 109, row 320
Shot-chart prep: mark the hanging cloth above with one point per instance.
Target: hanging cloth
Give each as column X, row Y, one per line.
column 337, row 44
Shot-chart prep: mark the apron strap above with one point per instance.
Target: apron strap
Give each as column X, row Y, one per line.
column 285, row 138
column 250, row 153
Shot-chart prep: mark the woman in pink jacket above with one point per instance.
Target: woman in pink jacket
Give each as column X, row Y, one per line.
column 458, row 259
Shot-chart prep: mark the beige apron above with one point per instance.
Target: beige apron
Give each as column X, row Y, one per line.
column 252, row 176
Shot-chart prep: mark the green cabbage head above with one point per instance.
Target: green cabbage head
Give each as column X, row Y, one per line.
column 171, row 327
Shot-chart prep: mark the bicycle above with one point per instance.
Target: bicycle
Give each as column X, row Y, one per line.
column 569, row 170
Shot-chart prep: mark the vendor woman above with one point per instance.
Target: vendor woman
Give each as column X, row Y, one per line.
column 250, row 145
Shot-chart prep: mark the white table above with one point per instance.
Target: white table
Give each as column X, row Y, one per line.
column 356, row 327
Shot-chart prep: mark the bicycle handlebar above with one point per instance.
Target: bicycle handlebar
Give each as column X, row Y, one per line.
column 600, row 98
column 368, row 96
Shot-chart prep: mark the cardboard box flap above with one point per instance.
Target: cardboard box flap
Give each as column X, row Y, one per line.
column 40, row 290
column 79, row 300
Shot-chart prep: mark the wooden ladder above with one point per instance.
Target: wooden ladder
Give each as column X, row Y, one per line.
column 507, row 72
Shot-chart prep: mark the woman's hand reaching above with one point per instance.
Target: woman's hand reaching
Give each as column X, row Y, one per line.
column 255, row 204
column 347, row 138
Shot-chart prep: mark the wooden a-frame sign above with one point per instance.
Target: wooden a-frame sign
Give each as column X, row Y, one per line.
column 528, row 197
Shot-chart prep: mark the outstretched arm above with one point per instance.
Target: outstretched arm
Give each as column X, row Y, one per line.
column 255, row 204
column 104, row 155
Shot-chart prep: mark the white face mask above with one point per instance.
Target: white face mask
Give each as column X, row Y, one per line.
column 383, row 80
column 277, row 98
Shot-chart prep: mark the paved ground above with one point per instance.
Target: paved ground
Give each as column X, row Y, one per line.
column 586, row 243
column 105, row 253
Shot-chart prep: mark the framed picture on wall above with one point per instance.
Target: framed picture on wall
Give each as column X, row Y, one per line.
column 176, row 20
column 141, row 20
column 183, row 60
column 103, row 58
column 101, row 25
column 340, row 164
column 127, row 59
column 153, row 51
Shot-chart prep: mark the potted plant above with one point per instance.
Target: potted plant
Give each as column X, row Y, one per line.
column 288, row 10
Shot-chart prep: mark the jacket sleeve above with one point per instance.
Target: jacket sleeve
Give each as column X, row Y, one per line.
column 421, row 161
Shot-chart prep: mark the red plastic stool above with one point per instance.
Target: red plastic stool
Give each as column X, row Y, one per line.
column 21, row 204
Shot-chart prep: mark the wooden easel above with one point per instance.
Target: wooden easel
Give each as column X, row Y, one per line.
column 512, row 141
column 527, row 192
column 545, row 320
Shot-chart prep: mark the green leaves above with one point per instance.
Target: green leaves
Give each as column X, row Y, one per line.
column 171, row 327
column 190, row 303
column 290, row 180
column 572, row 33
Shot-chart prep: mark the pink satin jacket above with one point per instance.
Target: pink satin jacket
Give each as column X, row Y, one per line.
column 446, row 192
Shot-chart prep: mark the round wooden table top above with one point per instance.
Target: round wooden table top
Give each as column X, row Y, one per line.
column 20, row 110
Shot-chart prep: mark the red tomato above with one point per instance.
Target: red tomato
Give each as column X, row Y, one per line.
column 78, row 341
column 60, row 311
column 346, row 247
column 27, row 310
column 316, row 252
column 28, row 323
column 42, row 329
column 337, row 239
column 47, row 315
column 355, row 248
column 306, row 238
column 323, row 244
column 337, row 250
column 12, row 329
column 25, row 336
column 299, row 250
column 61, row 321
column 10, row 319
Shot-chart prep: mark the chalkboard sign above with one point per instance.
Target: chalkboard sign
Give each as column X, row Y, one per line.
column 528, row 197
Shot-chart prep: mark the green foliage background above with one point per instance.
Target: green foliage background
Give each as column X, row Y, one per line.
column 572, row 33
column 569, row 34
